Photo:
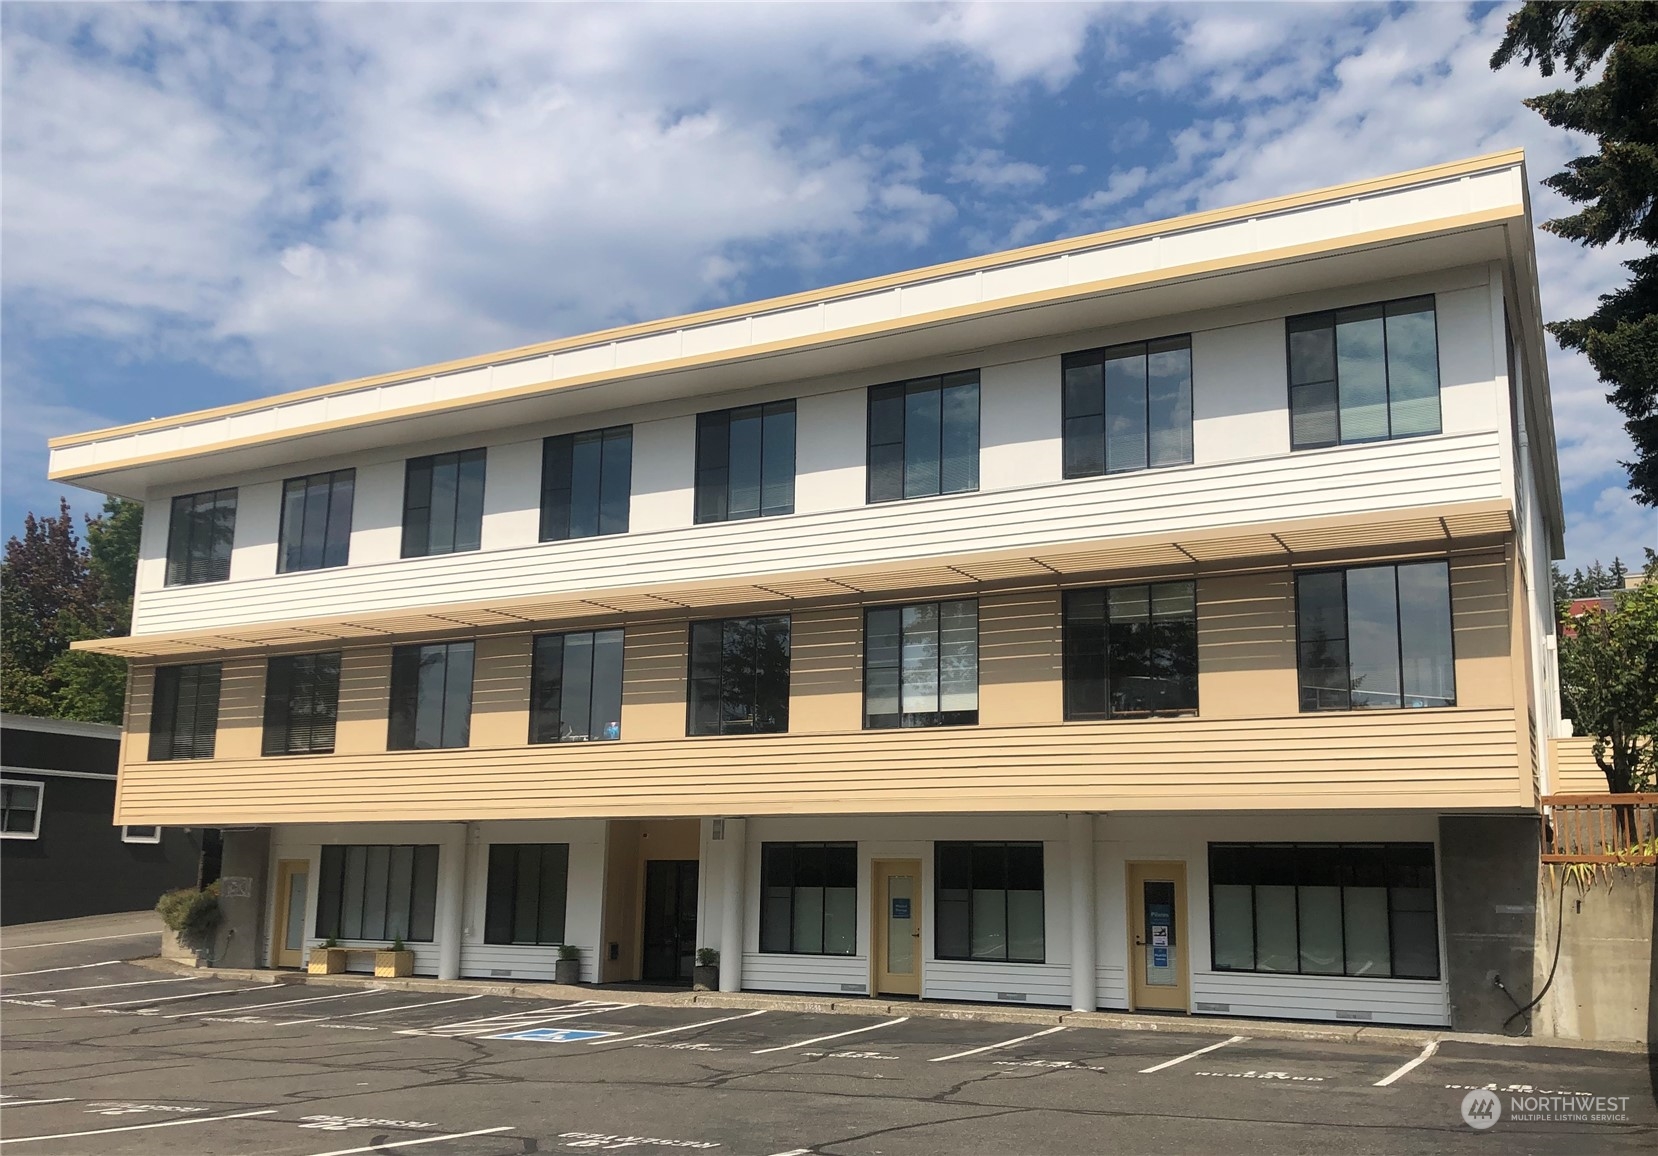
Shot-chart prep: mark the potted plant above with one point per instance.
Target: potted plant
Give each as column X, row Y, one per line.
column 192, row 919
column 328, row 958
column 706, row 975
column 568, row 967
column 393, row 962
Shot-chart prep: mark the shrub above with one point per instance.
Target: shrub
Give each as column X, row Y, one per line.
column 192, row 915
column 708, row 957
column 568, row 951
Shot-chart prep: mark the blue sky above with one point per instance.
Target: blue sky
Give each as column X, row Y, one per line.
column 204, row 204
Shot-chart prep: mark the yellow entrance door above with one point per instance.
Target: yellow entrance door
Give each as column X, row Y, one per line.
column 1158, row 976
column 288, row 920
column 897, row 923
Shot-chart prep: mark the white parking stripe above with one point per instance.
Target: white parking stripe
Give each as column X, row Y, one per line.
column 273, row 1003
column 1427, row 1051
column 105, row 986
column 681, row 1028
column 993, row 1047
column 1189, row 1055
column 836, row 1036
column 514, row 1021
column 406, row 1006
column 48, row 970
column 26, row 1103
column 141, row 1127
column 146, row 1001
column 411, row 1143
column 67, row 942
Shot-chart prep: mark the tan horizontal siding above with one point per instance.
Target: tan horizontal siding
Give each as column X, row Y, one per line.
column 1575, row 771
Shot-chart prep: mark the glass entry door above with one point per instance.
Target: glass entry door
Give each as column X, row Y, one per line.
column 292, row 880
column 670, row 920
column 897, row 924
column 1157, row 937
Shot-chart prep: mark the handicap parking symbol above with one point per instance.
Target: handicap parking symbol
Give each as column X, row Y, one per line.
column 552, row 1035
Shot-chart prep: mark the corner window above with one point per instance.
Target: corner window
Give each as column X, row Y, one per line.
column 809, row 898
column 140, row 834
column 924, row 437
column 1375, row 637
column 200, row 534
column 316, row 521
column 988, row 901
column 921, row 665
column 302, row 703
column 184, row 711
column 378, row 892
column 20, row 808
column 1355, row 909
column 1131, row 651
column 745, row 462
column 586, row 483
column 431, row 696
column 1364, row 374
column 576, row 687
column 1128, row 407
column 443, row 504
column 739, row 682
column 526, row 892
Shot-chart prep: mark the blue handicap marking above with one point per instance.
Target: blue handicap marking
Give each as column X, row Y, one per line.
column 553, row 1035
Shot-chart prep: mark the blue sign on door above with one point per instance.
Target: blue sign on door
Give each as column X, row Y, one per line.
column 1160, row 957
column 901, row 908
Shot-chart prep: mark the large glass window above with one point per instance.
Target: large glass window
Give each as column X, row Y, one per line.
column 745, row 462
column 184, row 711
column 20, row 809
column 378, row 892
column 431, row 696
column 1131, row 651
column 988, row 900
column 924, row 437
column 809, row 898
column 1358, row 909
column 921, row 665
column 1364, row 374
column 316, row 521
column 1375, row 637
column 586, row 483
column 576, row 687
column 443, row 504
column 739, row 677
column 527, row 889
column 302, row 703
column 200, row 535
column 1128, row 407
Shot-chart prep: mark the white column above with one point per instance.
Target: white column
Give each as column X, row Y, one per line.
column 1079, row 830
column 732, row 864
column 451, row 900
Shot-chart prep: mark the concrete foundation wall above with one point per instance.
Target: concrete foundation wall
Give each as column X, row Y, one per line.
column 1603, row 986
column 242, row 887
column 1488, row 882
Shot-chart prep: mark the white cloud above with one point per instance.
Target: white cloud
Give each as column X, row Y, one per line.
column 991, row 170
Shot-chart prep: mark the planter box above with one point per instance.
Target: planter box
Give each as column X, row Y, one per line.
column 705, row 978
column 567, row 971
column 326, row 961
column 393, row 964
column 172, row 948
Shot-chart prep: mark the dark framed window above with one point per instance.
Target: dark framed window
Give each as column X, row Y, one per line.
column 302, row 703
column 576, row 687
column 745, row 462
column 527, row 890
column 921, row 665
column 1131, row 651
column 1375, row 637
column 378, row 891
column 988, row 900
column 20, row 806
column 1364, row 374
column 184, row 711
column 316, row 521
column 809, row 898
column 586, row 483
column 1354, row 909
column 200, row 535
column 1128, row 407
column 443, row 504
column 739, row 681
column 924, row 437
column 431, row 696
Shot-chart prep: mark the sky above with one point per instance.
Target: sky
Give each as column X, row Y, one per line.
column 204, row 204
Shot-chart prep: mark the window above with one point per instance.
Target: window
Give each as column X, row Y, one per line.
column 431, row 696
column 739, row 677
column 184, row 712
column 140, row 834
column 20, row 808
column 200, row 536
column 988, row 900
column 921, row 665
column 1364, row 374
column 576, row 687
column 745, row 462
column 378, row 892
column 316, row 521
column 528, row 885
column 924, row 437
column 443, row 504
column 302, row 703
column 1375, row 637
column 1128, row 407
column 586, row 482
column 809, row 898
column 1357, row 909
column 1131, row 651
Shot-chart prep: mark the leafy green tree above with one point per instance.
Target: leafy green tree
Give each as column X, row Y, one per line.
column 1609, row 679
column 1617, row 184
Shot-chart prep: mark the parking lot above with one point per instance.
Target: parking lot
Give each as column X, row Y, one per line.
column 106, row 1057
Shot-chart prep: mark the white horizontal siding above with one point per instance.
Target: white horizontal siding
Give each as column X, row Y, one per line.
column 517, row 961
column 1320, row 997
column 1111, row 985
column 426, row 954
column 989, row 982
column 833, row 974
